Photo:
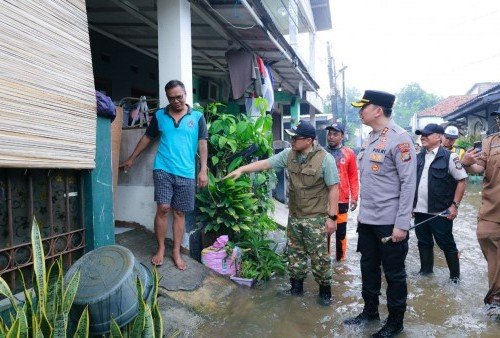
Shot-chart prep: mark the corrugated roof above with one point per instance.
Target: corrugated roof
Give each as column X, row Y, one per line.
column 446, row 106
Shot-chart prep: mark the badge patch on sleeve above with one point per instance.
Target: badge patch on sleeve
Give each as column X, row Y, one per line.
column 404, row 149
column 458, row 164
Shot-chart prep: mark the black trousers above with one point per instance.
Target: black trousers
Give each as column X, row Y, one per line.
column 440, row 228
column 391, row 256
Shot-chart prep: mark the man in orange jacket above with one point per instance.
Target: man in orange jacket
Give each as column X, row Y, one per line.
column 348, row 185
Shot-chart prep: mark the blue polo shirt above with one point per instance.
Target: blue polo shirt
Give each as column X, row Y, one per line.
column 178, row 144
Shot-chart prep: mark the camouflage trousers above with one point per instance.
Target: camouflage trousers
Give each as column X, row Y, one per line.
column 307, row 239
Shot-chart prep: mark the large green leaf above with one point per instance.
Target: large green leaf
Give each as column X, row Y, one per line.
column 234, row 164
column 14, row 330
column 157, row 321
column 154, row 291
column 82, row 330
column 23, row 321
column 70, row 292
column 54, row 289
column 140, row 320
column 60, row 324
column 115, row 331
column 149, row 329
column 39, row 264
column 5, row 291
column 45, row 325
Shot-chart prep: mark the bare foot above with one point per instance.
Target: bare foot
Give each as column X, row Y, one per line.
column 179, row 263
column 158, row 257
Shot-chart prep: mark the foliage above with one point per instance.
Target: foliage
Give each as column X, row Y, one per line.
column 235, row 141
column 46, row 307
column 259, row 260
column 227, row 204
column 411, row 99
column 231, row 136
column 466, row 142
column 243, row 205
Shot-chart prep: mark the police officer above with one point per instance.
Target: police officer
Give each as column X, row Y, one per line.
column 440, row 187
column 487, row 161
column 313, row 205
column 387, row 164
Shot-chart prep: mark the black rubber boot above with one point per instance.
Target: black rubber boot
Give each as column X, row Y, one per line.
column 454, row 266
column 393, row 325
column 426, row 260
column 369, row 314
column 297, row 287
column 325, row 295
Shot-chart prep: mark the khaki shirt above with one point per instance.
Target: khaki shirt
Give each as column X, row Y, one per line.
column 388, row 174
column 490, row 161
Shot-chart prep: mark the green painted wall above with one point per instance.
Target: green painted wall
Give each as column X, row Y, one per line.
column 98, row 192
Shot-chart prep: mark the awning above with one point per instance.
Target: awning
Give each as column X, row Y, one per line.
column 216, row 26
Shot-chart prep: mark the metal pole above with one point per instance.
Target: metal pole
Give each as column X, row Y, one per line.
column 333, row 86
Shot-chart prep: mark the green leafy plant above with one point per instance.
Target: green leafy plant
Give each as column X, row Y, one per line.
column 260, row 260
column 46, row 307
column 227, row 204
column 466, row 142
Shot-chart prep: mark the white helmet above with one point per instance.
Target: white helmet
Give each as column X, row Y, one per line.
column 451, row 132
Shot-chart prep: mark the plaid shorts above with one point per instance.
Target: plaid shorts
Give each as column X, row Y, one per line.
column 176, row 191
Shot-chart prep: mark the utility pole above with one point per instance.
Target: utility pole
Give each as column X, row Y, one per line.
column 344, row 117
column 332, row 77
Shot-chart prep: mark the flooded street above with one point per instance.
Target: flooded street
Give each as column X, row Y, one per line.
column 436, row 308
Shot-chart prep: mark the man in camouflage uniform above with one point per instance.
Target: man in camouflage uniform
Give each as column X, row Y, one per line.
column 387, row 171
column 313, row 205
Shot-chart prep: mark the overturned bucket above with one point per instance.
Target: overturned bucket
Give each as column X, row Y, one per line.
column 108, row 286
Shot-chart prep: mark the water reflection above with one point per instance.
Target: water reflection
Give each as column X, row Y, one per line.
column 436, row 308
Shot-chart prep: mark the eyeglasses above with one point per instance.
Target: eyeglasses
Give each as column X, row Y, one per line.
column 296, row 138
column 175, row 98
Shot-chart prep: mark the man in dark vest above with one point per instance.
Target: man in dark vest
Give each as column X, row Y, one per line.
column 313, row 206
column 440, row 187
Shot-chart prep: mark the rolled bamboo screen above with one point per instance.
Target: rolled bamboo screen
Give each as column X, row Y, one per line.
column 47, row 97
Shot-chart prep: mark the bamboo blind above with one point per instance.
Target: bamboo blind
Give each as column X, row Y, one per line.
column 47, row 97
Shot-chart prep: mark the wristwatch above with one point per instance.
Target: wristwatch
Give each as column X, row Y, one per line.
column 456, row 204
column 332, row 217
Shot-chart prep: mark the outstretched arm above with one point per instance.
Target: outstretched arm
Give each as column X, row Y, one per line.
column 249, row 168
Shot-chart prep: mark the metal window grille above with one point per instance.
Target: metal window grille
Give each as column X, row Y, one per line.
column 55, row 199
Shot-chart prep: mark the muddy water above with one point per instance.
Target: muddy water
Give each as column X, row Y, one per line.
column 436, row 308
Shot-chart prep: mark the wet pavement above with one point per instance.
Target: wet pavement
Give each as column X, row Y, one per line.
column 436, row 308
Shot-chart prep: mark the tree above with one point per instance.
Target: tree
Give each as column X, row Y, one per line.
column 411, row 99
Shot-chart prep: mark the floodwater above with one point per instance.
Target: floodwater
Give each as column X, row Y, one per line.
column 436, row 308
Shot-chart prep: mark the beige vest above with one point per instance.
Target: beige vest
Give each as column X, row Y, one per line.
column 308, row 193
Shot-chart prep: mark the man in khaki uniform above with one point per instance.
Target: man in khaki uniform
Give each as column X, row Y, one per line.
column 387, row 171
column 487, row 161
column 313, row 205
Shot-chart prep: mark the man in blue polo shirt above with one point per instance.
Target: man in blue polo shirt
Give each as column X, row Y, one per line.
column 182, row 133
